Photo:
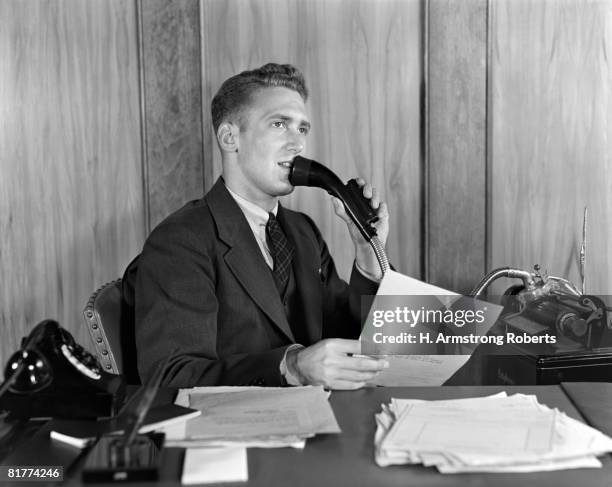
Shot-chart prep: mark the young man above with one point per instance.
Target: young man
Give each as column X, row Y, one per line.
column 236, row 288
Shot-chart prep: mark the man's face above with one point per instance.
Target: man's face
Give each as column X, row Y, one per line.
column 273, row 132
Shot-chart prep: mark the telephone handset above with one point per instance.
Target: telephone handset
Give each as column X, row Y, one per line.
column 53, row 376
column 306, row 172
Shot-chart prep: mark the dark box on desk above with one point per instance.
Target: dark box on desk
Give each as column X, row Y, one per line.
column 531, row 369
column 67, row 403
column 73, row 405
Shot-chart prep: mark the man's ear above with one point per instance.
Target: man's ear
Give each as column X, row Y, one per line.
column 227, row 136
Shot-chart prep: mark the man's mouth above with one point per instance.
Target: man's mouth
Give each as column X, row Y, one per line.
column 287, row 164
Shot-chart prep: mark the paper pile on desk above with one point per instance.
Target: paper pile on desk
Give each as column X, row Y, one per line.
column 491, row 434
column 254, row 416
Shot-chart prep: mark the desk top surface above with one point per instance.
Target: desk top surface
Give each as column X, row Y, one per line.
column 347, row 459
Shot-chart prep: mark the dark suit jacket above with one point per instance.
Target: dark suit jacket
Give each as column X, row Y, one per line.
column 204, row 291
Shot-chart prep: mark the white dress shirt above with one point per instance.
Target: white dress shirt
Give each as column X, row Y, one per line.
column 257, row 218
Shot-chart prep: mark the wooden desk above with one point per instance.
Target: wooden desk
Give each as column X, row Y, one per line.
column 348, row 459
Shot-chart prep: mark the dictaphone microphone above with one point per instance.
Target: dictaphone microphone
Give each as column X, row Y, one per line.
column 306, row 172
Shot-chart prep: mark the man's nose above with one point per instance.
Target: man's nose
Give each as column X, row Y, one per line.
column 296, row 143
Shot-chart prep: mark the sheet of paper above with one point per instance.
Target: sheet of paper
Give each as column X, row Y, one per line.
column 419, row 370
column 464, row 426
column 255, row 416
column 411, row 368
column 288, row 411
column 398, row 405
column 211, row 465
column 176, row 436
column 287, row 441
column 182, row 398
column 489, row 407
column 529, row 436
column 447, row 465
column 543, row 466
column 394, row 283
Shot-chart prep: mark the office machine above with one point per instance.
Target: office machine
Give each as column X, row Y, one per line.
column 559, row 334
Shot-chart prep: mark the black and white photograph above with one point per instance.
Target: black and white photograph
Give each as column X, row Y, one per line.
column 306, row 242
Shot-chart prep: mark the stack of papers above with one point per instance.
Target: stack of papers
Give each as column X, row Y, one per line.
column 253, row 417
column 498, row 433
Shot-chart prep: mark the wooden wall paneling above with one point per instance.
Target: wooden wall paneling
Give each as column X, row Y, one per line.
column 172, row 104
column 363, row 64
column 456, row 161
column 71, row 207
column 552, row 136
column 238, row 35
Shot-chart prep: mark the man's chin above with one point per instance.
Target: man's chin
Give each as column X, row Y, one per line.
column 285, row 190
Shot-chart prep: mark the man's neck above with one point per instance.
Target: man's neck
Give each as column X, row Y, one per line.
column 269, row 205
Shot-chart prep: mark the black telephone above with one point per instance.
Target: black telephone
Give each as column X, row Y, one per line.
column 53, row 376
column 306, row 172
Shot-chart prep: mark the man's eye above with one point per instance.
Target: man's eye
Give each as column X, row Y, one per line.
column 304, row 130
column 279, row 124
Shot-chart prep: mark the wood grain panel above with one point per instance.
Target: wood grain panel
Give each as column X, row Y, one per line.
column 456, row 163
column 71, row 191
column 172, row 104
column 362, row 62
column 552, row 136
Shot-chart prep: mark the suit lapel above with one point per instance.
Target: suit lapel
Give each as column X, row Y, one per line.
column 244, row 257
column 307, row 277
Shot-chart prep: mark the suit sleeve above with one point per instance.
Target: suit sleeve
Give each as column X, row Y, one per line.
column 176, row 313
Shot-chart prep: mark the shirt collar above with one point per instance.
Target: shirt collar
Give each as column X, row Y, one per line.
column 252, row 211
